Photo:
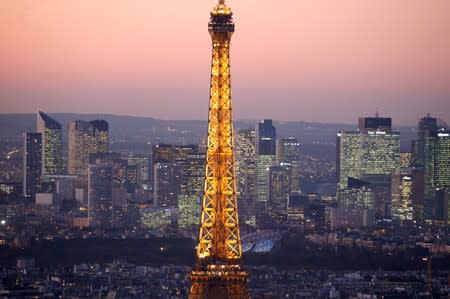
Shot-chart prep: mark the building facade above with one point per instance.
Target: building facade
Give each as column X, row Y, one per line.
column 32, row 164
column 100, row 205
column 51, row 130
column 245, row 154
column 266, row 156
column 85, row 138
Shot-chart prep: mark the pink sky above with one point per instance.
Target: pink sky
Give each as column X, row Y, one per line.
column 311, row 60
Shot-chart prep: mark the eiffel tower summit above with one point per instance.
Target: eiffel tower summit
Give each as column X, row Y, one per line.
column 218, row 272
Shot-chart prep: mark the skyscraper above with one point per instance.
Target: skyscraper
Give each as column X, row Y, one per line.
column 428, row 127
column 189, row 199
column 373, row 150
column 371, row 154
column 348, row 157
column 218, row 272
column 100, row 136
column 288, row 154
column 436, row 170
column 32, row 163
column 79, row 146
column 380, row 152
column 246, row 163
column 402, row 196
column 280, row 185
column 51, row 130
column 266, row 156
column 100, row 196
column 84, row 139
column 167, row 183
column 169, row 163
column 266, row 138
column 431, row 161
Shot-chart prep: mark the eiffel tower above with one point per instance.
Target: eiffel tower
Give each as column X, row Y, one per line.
column 218, row 272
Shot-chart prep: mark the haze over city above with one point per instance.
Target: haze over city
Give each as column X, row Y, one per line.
column 319, row 60
column 325, row 175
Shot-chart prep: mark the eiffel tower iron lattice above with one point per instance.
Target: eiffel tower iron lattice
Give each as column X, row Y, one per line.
column 218, row 272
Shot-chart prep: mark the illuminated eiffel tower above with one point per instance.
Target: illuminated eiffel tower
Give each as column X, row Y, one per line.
column 218, row 272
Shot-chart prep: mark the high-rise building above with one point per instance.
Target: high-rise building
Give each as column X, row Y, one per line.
column 266, row 156
column 428, row 126
column 288, row 154
column 442, row 160
column 192, row 173
column 348, row 157
column 169, row 164
column 380, row 152
column 51, row 130
column 142, row 162
column 431, row 160
column 280, row 185
column 402, row 195
column 192, row 183
column 436, row 170
column 218, row 271
column 32, row 163
column 100, row 204
column 79, row 146
column 120, row 174
column 167, row 182
column 245, row 148
column 100, row 129
column 84, row 139
column 371, row 154
column 264, row 163
column 358, row 194
column 266, row 137
column 373, row 150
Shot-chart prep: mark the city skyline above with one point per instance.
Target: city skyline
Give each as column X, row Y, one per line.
column 121, row 207
column 317, row 59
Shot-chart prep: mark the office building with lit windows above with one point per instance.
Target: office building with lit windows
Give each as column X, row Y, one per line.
column 288, row 154
column 280, row 185
column 85, row 138
column 372, row 150
column 266, row 156
column 437, row 171
column 402, row 195
column 348, row 157
column 245, row 161
column 172, row 165
column 192, row 175
column 380, row 152
column 51, row 130
column 371, row 154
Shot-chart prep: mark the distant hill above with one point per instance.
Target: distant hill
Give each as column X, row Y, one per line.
column 133, row 129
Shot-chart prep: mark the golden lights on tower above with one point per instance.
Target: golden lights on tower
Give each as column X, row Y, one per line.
column 218, row 272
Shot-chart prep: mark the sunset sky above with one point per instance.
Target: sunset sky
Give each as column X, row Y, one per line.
column 306, row 60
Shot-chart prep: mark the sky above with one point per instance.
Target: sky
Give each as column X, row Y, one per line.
column 295, row 60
